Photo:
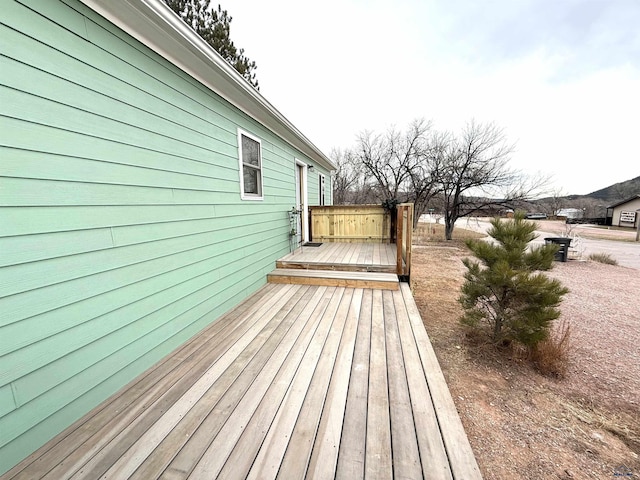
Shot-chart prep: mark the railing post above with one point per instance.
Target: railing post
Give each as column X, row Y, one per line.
column 399, row 240
column 409, row 240
column 404, row 234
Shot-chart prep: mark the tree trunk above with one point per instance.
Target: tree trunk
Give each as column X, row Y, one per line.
column 418, row 209
column 448, row 229
column 497, row 329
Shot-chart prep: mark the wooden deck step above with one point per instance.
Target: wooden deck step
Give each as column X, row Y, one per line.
column 331, row 278
column 345, row 267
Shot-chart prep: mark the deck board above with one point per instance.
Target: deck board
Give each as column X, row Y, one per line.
column 194, row 431
column 433, row 454
column 244, row 451
column 452, row 433
column 268, row 460
column 297, row 382
column 404, row 444
column 325, row 450
column 296, row 458
column 368, row 257
column 378, row 459
column 278, row 368
column 132, row 445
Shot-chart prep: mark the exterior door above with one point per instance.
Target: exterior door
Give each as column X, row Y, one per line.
column 321, row 189
column 301, row 203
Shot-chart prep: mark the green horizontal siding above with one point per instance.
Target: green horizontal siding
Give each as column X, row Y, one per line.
column 22, row 278
column 28, row 164
column 7, row 401
column 122, row 232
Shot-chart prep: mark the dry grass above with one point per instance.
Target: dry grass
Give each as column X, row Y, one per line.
column 603, row 258
column 552, row 355
column 433, row 233
column 622, row 424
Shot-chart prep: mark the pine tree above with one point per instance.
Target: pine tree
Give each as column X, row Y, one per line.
column 506, row 289
column 214, row 26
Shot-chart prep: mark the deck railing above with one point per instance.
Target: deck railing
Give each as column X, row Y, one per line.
column 366, row 224
column 404, row 237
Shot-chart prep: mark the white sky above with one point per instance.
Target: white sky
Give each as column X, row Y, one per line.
column 562, row 77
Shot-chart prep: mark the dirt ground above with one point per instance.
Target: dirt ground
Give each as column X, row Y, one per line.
column 520, row 423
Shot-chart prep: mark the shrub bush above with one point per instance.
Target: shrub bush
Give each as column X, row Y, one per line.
column 505, row 288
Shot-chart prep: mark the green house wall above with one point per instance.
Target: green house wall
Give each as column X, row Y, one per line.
column 122, row 231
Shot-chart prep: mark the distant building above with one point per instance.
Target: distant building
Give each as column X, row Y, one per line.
column 625, row 213
column 570, row 213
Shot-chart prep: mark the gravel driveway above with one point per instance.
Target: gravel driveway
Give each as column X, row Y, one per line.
column 620, row 244
column 603, row 308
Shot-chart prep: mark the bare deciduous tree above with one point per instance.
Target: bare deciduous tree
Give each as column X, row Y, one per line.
column 462, row 174
column 555, row 202
column 423, row 181
column 349, row 182
column 401, row 165
column 475, row 173
column 389, row 158
column 346, row 176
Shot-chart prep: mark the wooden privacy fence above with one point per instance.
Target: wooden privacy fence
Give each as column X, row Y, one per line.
column 350, row 223
column 366, row 224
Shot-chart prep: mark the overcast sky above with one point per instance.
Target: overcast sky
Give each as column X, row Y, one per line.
column 562, row 77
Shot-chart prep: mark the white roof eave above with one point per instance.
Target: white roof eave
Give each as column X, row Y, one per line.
column 155, row 25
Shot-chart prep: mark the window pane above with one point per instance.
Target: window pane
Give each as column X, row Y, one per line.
column 251, row 180
column 250, row 151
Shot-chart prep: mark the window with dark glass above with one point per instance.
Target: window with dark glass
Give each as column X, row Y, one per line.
column 251, row 166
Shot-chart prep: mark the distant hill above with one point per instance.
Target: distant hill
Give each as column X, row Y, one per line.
column 613, row 193
column 618, row 191
column 593, row 205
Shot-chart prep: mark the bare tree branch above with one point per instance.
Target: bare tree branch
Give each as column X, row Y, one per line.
column 389, row 159
column 475, row 167
column 464, row 173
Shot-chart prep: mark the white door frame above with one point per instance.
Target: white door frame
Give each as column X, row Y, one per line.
column 304, row 197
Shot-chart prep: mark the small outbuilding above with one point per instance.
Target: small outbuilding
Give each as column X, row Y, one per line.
column 625, row 213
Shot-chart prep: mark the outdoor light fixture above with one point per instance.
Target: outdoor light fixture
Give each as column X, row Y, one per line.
column 311, row 168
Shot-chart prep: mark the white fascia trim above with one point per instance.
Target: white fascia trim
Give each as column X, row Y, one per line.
column 155, row 25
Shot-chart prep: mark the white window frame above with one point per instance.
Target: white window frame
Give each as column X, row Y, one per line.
column 243, row 195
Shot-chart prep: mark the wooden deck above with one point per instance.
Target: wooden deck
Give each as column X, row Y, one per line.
column 364, row 257
column 297, row 382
